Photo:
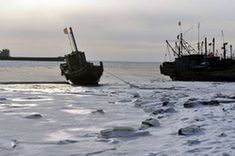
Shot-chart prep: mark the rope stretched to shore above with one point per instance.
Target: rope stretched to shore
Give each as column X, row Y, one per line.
column 126, row 82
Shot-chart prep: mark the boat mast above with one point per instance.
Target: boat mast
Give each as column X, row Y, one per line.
column 202, row 47
column 224, row 45
column 224, row 48
column 213, row 46
column 231, row 51
column 180, row 40
column 73, row 39
column 205, row 46
column 198, row 44
column 181, row 43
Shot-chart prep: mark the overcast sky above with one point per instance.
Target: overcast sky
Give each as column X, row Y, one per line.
column 121, row 30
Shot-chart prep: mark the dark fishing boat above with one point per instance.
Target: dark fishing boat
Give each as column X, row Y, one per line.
column 5, row 53
column 196, row 65
column 77, row 69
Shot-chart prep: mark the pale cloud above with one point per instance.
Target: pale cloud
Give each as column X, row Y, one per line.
column 133, row 30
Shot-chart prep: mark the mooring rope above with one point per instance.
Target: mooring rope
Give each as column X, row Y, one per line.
column 126, row 82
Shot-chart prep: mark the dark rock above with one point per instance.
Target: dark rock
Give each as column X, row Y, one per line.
column 158, row 111
column 100, row 111
column 151, row 122
column 124, row 100
column 135, row 95
column 190, row 130
column 160, row 116
column 195, row 150
column 161, row 111
column 184, row 119
column 199, row 119
column 210, row 103
column 139, row 102
column 170, row 110
column 152, row 154
column 221, row 96
column 2, row 99
column 34, row 116
column 222, row 135
column 190, row 104
column 232, row 97
column 165, row 103
column 118, row 132
column 168, row 104
column 63, row 142
column 14, row 143
column 193, row 99
column 193, row 142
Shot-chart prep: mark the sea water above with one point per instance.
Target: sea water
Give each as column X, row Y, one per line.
column 134, row 111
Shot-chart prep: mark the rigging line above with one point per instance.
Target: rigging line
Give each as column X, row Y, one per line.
column 165, row 54
column 188, row 30
column 126, row 82
column 169, row 53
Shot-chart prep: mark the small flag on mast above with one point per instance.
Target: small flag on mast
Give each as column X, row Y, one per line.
column 66, row 31
column 179, row 23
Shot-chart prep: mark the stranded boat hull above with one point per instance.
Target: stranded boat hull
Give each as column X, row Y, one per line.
column 183, row 70
column 196, row 65
column 220, row 75
column 77, row 69
column 89, row 75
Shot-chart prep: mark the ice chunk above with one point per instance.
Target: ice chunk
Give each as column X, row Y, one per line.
column 34, row 116
column 190, row 130
column 151, row 122
column 121, row 131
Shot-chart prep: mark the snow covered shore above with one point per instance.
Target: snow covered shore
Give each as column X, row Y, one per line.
column 154, row 117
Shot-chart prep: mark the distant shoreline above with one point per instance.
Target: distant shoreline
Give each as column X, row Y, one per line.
column 32, row 58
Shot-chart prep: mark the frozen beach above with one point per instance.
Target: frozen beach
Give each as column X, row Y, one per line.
column 147, row 115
